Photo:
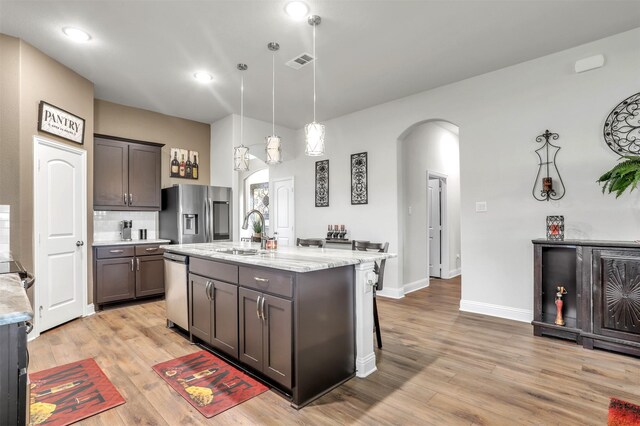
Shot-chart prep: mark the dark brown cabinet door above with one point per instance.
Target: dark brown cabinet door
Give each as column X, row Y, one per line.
column 200, row 304
column 224, row 319
column 277, row 342
column 149, row 275
column 250, row 333
column 116, row 279
column 110, row 174
column 144, row 176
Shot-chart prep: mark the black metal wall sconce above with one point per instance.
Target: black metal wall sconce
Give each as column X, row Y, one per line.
column 548, row 184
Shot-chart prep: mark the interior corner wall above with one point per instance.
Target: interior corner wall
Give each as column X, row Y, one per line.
column 134, row 123
column 499, row 115
column 10, row 134
column 41, row 78
column 428, row 147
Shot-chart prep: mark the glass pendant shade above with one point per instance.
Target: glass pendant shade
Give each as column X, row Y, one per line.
column 241, row 158
column 273, row 150
column 314, row 138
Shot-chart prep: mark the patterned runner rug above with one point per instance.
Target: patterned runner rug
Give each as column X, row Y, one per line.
column 208, row 383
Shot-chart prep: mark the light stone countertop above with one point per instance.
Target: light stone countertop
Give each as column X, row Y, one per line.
column 14, row 303
column 296, row 259
column 129, row 243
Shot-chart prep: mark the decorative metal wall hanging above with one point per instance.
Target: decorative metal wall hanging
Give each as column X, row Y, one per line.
column 544, row 187
column 322, row 183
column 359, row 191
column 622, row 127
column 555, row 228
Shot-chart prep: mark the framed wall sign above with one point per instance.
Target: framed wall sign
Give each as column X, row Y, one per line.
column 322, row 183
column 359, row 191
column 184, row 164
column 58, row 122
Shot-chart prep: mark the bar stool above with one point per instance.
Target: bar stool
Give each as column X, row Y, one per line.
column 379, row 271
column 310, row 242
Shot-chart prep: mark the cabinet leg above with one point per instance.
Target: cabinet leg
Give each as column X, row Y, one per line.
column 537, row 331
column 170, row 324
column 587, row 343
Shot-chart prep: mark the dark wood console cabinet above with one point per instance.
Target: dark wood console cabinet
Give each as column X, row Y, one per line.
column 602, row 304
column 126, row 174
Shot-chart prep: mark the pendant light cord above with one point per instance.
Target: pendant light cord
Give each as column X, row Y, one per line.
column 273, row 93
column 314, row 72
column 241, row 109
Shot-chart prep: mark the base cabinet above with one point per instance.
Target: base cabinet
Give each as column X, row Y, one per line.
column 123, row 273
column 266, row 327
column 602, row 306
column 14, row 362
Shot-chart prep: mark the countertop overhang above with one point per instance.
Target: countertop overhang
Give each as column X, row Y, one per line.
column 295, row 259
column 14, row 303
column 129, row 243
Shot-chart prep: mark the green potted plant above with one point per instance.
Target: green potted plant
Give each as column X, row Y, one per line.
column 257, row 231
column 625, row 174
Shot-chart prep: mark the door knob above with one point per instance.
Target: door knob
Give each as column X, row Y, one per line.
column 79, row 243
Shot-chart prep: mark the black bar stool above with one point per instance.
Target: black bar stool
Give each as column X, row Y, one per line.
column 310, row 242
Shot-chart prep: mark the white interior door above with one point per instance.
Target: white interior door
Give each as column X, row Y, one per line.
column 283, row 211
column 60, row 216
column 435, row 228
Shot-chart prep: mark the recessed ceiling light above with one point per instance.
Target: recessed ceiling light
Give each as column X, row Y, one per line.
column 202, row 77
column 76, row 34
column 297, row 9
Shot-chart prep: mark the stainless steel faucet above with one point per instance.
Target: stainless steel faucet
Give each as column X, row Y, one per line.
column 245, row 225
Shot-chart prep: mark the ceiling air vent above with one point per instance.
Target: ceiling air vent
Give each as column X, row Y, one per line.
column 300, row 61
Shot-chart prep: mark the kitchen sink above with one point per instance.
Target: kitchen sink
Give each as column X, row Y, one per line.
column 240, row 251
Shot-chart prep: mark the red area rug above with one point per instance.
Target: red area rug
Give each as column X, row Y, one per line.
column 622, row 413
column 69, row 393
column 208, row 383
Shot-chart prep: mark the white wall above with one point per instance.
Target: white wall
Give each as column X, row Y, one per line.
column 499, row 115
column 428, row 147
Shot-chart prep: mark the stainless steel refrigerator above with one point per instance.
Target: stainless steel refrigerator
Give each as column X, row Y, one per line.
column 196, row 214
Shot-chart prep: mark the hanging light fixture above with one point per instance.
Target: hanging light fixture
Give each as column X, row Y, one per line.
column 273, row 146
column 314, row 132
column 241, row 153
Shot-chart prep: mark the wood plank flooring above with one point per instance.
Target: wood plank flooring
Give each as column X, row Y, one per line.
column 438, row 366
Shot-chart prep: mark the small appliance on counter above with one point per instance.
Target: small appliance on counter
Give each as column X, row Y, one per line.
column 125, row 229
column 14, row 267
column 143, row 234
column 336, row 232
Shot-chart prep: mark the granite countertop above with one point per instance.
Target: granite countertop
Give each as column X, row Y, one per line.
column 592, row 243
column 14, row 303
column 296, row 259
column 129, row 243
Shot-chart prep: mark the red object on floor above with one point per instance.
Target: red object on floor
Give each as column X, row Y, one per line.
column 66, row 394
column 622, row 413
column 208, row 383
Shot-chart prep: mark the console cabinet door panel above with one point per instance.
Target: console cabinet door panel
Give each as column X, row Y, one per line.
column 144, row 176
column 250, row 334
column 277, row 340
column 224, row 327
column 149, row 275
column 200, row 308
column 110, row 173
column 116, row 279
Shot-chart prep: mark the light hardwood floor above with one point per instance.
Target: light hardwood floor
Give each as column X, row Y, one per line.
column 438, row 366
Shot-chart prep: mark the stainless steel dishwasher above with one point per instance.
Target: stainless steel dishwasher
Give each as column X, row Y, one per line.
column 176, row 290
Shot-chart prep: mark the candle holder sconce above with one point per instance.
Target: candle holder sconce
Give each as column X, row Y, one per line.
column 548, row 184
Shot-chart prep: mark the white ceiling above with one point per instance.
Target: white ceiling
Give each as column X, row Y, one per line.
column 144, row 53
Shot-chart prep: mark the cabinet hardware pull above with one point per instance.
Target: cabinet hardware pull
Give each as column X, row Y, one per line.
column 262, row 280
column 152, row 249
column 210, row 290
column 264, row 318
column 130, row 199
column 124, row 199
column 258, row 307
column 132, row 265
column 137, row 264
column 116, row 251
column 29, row 325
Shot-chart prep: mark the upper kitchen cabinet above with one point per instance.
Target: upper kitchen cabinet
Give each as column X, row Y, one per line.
column 126, row 174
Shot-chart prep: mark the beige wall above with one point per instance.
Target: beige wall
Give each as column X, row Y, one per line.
column 28, row 77
column 10, row 133
column 134, row 123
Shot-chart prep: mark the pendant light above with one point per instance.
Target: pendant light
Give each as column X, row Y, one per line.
column 241, row 153
column 314, row 132
column 273, row 146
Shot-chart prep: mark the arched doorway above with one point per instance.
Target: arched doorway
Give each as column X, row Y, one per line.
column 429, row 203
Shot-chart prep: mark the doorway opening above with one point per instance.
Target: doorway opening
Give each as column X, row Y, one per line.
column 437, row 229
column 255, row 196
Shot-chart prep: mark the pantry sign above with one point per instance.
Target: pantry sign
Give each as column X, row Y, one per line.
column 58, row 122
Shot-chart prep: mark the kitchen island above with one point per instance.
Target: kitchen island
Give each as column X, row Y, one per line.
column 310, row 311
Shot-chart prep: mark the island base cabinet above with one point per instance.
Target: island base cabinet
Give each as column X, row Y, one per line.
column 214, row 313
column 117, row 280
column 266, row 329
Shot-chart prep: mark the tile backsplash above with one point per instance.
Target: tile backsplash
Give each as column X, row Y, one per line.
column 106, row 224
column 5, row 224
